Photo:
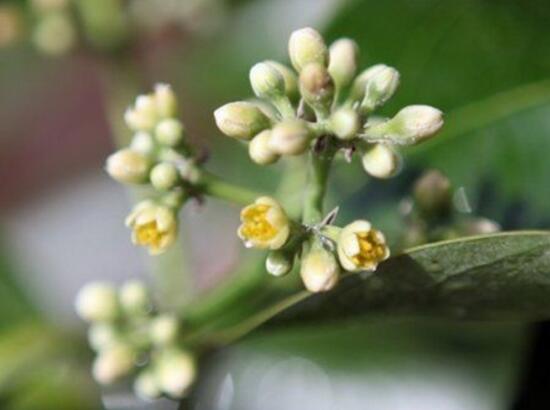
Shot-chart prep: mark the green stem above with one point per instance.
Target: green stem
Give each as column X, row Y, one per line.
column 318, row 172
column 216, row 187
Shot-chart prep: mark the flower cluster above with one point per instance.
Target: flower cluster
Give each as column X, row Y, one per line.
column 159, row 157
column 324, row 97
column 325, row 250
column 131, row 339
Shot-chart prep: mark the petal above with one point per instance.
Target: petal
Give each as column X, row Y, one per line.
column 165, row 219
column 280, row 238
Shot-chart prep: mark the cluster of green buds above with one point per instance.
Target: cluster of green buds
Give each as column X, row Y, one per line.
column 325, row 98
column 436, row 211
column 325, row 250
column 158, row 157
column 132, row 340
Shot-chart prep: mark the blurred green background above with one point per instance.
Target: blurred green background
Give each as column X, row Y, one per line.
column 485, row 63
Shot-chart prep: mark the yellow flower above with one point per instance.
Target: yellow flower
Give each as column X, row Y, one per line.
column 154, row 226
column 361, row 247
column 264, row 224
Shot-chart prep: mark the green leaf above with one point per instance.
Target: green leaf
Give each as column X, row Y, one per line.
column 501, row 276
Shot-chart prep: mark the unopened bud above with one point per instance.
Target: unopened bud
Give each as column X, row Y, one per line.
column 379, row 88
column 55, row 34
column 259, row 149
column 479, row 226
column 166, row 101
column 113, row 363
column 97, row 302
column 279, row 263
column 290, row 78
column 290, row 137
column 164, row 176
column 316, row 86
column 102, row 336
column 144, row 115
column 169, row 132
column 267, row 82
column 146, row 387
column 345, row 123
column 381, row 161
column 134, row 297
column 143, row 143
column 343, row 61
column 175, row 372
column 128, row 166
column 320, row 270
column 307, row 46
column 357, row 92
column 433, row 193
column 164, row 330
column 242, row 120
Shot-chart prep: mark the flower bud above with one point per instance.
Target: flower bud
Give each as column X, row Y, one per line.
column 307, row 46
column 267, row 82
column 343, row 61
column 316, row 86
column 290, row 78
column 128, row 166
column 320, row 271
column 242, row 120
column 379, row 88
column 55, row 34
column 143, row 143
column 166, row 101
column 433, row 193
column 264, row 224
column 279, row 263
column 259, row 149
column 290, row 137
column 113, row 363
column 146, row 387
column 175, row 372
column 164, row 330
column 345, row 123
column 361, row 247
column 102, row 336
column 357, row 92
column 381, row 161
column 164, row 176
column 97, row 302
column 479, row 226
column 144, row 115
column 134, row 297
column 411, row 125
column 169, row 132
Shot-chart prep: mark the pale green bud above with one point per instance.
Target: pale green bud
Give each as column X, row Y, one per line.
column 307, row 46
column 146, row 387
column 164, row 176
column 241, row 120
column 175, row 372
column 320, row 270
column 144, row 115
column 128, row 166
column 279, row 263
column 357, row 92
column 433, row 193
column 290, row 137
column 343, row 61
column 102, row 336
column 411, row 125
column 290, row 78
column 169, row 132
column 345, row 123
column 316, row 86
column 259, row 149
column 134, row 297
column 143, row 143
column 166, row 101
column 164, row 330
column 55, row 34
column 267, row 82
column 381, row 161
column 97, row 302
column 379, row 88
column 113, row 363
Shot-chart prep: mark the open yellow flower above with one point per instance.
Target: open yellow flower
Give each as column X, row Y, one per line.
column 361, row 247
column 154, row 226
column 264, row 224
